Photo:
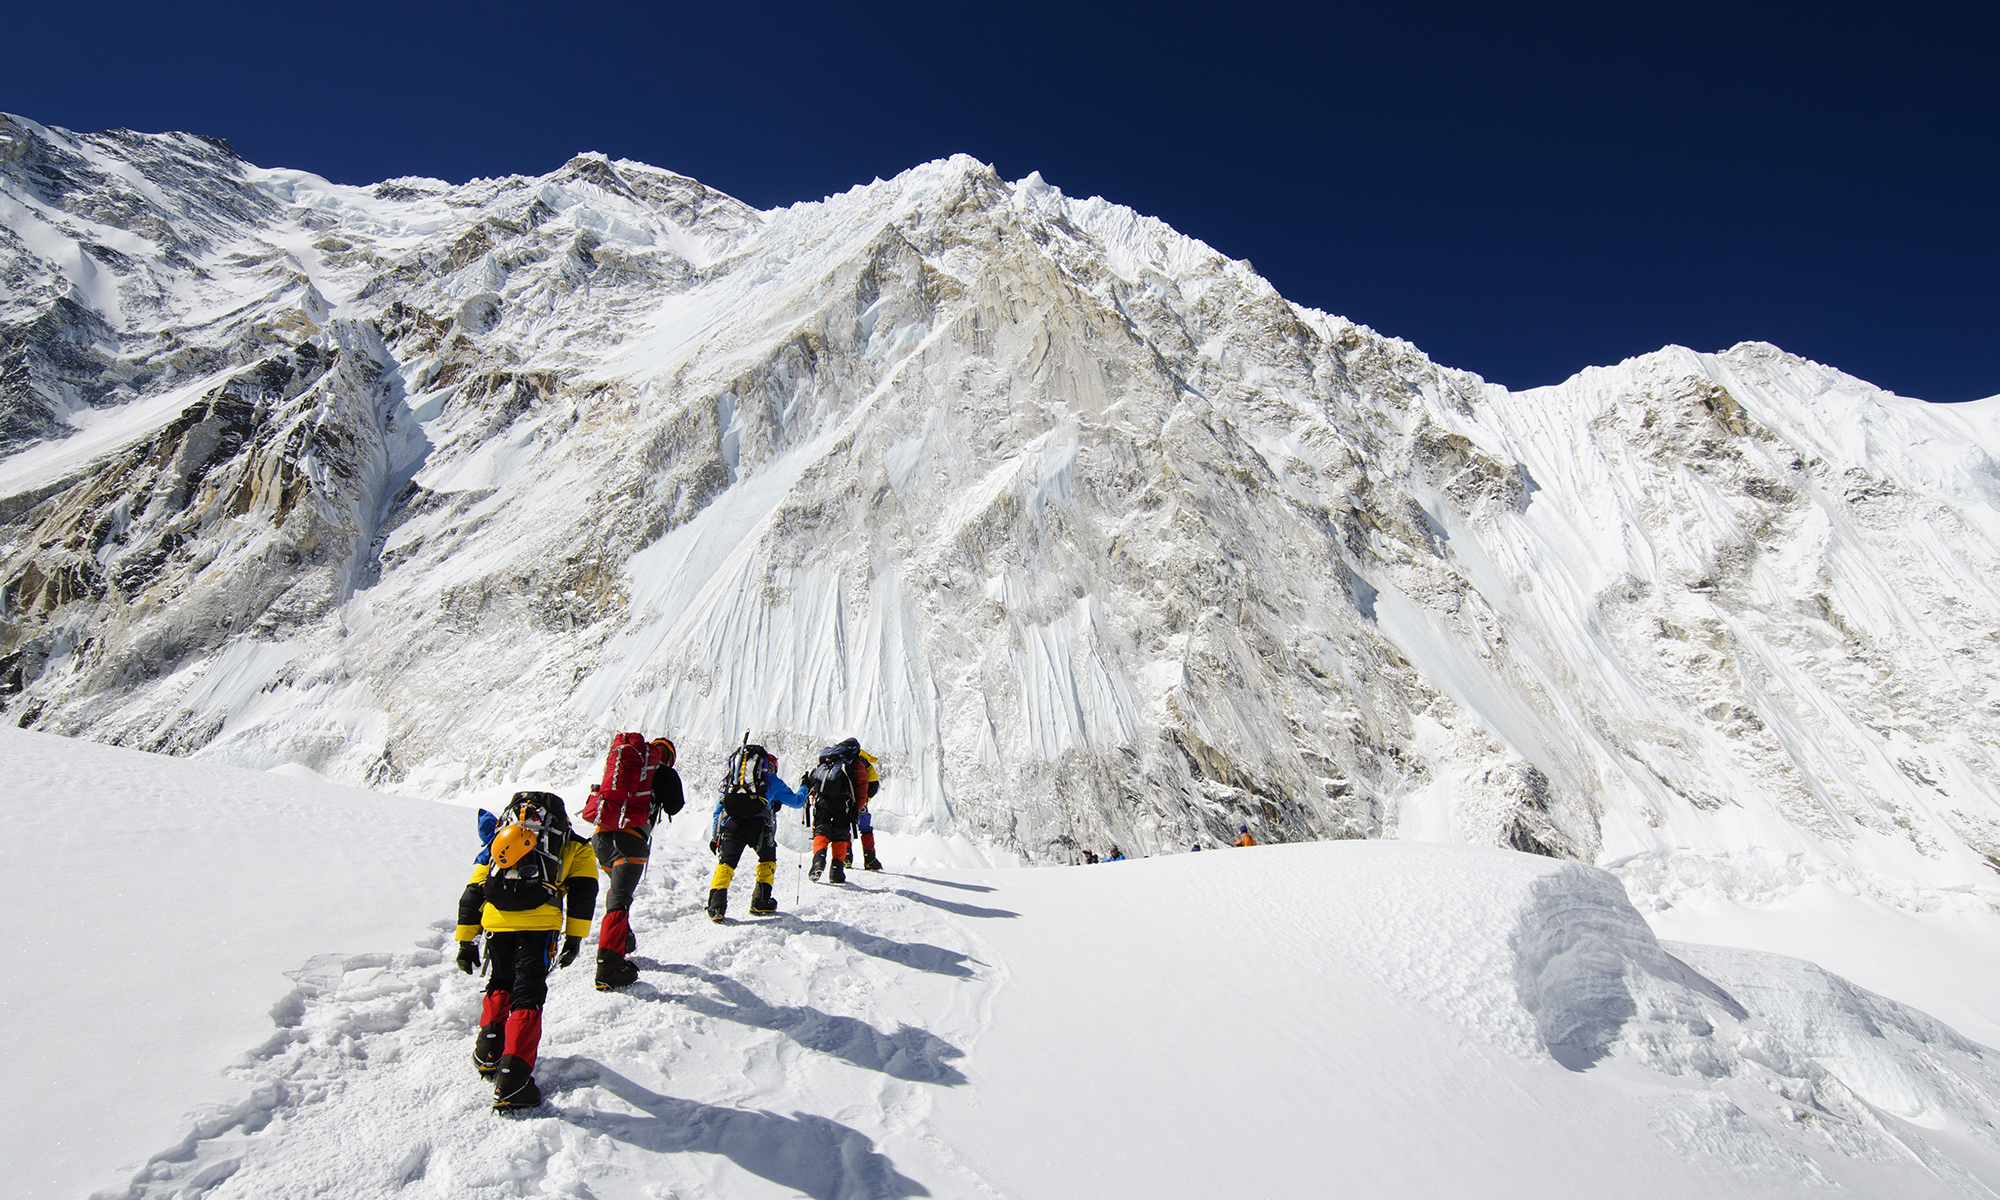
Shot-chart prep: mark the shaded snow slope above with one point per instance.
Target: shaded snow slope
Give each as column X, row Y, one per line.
column 1092, row 534
column 1379, row 1017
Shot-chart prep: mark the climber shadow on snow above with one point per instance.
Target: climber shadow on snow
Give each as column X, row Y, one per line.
column 953, row 906
column 909, row 1053
column 919, row 956
column 963, row 887
column 804, row 1152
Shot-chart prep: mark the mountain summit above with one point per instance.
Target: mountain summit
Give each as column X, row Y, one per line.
column 1092, row 533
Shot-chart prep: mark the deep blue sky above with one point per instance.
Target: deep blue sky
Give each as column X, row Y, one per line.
column 1520, row 192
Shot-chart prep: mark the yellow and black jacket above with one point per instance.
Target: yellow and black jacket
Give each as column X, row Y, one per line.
column 578, row 894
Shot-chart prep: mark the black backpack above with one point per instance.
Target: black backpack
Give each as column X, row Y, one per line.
column 527, row 851
column 746, row 781
column 831, row 784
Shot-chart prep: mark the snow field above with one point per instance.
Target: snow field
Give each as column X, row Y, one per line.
column 1373, row 1018
column 1365, row 1018
column 780, row 1056
column 164, row 905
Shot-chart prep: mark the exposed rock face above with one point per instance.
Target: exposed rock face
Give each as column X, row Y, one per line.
column 1090, row 531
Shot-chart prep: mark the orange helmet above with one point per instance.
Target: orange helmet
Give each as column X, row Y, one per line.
column 667, row 759
column 513, row 844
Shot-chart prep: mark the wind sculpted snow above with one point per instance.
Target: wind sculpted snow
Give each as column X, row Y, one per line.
column 1093, row 535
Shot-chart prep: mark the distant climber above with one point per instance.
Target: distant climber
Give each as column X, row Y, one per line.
column 639, row 785
column 1116, row 854
column 1243, row 836
column 1090, row 856
column 746, row 815
column 838, row 789
column 863, row 823
column 538, row 891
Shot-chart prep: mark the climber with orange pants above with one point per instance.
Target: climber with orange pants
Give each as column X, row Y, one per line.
column 838, row 789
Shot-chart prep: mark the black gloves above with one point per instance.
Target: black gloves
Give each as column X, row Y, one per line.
column 571, row 945
column 468, row 957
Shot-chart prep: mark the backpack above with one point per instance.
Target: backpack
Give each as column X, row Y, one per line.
column 624, row 799
column 527, row 851
column 746, row 781
column 488, row 826
column 831, row 784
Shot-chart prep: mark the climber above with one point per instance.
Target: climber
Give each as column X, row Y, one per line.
column 863, row 823
column 1244, row 838
column 639, row 786
column 538, row 890
column 746, row 815
column 839, row 787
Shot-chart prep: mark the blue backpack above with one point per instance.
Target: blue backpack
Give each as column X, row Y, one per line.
column 488, row 823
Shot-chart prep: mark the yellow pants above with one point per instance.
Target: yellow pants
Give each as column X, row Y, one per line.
column 766, row 872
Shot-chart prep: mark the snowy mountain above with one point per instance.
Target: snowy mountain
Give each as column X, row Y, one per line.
column 1365, row 1018
column 425, row 487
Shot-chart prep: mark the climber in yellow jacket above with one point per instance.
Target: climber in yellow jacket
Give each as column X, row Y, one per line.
column 541, row 882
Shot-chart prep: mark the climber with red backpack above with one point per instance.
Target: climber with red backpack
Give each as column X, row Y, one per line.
column 746, row 814
column 639, row 785
column 532, row 896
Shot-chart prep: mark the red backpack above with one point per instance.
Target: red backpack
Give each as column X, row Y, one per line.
column 624, row 800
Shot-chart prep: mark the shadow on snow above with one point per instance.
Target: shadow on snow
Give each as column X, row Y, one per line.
column 909, row 1053
column 953, row 906
column 920, row 956
column 803, row 1152
column 964, row 887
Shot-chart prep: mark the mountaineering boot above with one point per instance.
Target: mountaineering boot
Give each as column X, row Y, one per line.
column 818, row 864
column 486, row 1048
column 514, row 1086
column 491, row 1039
column 869, row 862
column 762, row 902
column 614, row 970
column 835, row 872
column 718, row 903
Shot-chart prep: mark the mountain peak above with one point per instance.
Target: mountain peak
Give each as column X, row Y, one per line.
column 1089, row 530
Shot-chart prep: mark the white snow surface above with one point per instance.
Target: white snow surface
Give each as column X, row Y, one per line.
column 267, row 1013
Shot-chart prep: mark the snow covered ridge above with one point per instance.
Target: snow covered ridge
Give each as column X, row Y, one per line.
column 1410, row 1019
column 1090, row 532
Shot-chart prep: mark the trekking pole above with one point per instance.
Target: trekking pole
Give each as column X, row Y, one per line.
column 799, row 891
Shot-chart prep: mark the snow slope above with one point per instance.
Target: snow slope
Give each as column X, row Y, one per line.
column 1371, row 1017
column 165, row 908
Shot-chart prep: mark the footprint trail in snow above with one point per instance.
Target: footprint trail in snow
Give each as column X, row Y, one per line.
column 788, row 1055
